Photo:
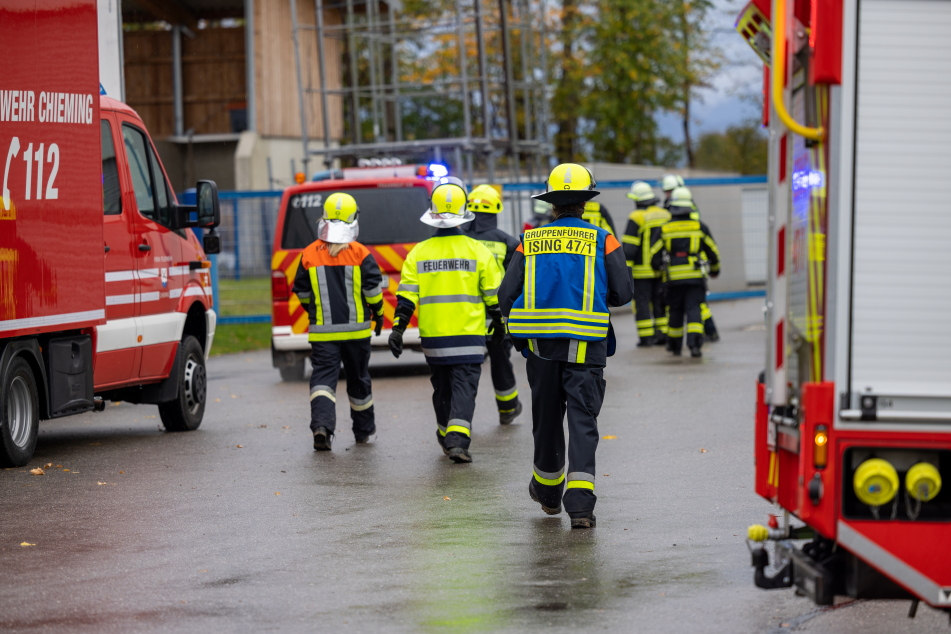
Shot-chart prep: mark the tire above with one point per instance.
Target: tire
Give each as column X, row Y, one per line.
column 19, row 414
column 293, row 373
column 186, row 411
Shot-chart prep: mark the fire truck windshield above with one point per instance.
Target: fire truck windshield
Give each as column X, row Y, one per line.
column 387, row 215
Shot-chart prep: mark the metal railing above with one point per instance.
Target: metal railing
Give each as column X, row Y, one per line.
column 241, row 273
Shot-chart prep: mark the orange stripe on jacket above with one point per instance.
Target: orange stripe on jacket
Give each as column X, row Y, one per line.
column 318, row 254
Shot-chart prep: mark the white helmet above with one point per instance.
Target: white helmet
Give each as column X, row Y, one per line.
column 641, row 192
column 681, row 197
column 671, row 181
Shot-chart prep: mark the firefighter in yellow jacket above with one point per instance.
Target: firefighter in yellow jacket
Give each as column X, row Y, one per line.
column 340, row 284
column 455, row 282
column 643, row 229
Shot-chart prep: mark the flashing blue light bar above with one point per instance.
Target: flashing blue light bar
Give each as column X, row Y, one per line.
column 438, row 170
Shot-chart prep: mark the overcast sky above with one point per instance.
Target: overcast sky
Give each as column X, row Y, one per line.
column 737, row 83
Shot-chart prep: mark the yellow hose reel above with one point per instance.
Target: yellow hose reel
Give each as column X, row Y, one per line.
column 875, row 482
column 923, row 481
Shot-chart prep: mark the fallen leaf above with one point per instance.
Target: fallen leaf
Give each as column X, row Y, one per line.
column 277, row 493
column 66, row 470
column 122, row 472
column 702, row 450
column 27, row 544
column 202, row 571
column 48, row 465
column 263, row 426
column 37, row 471
column 606, row 475
column 240, row 446
column 217, row 400
column 447, row 498
column 59, row 466
column 150, row 417
column 609, row 437
column 234, row 396
column 286, row 427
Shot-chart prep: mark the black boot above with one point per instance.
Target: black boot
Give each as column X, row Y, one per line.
column 459, row 455
column 507, row 418
column 647, row 342
column 323, row 438
column 695, row 352
column 583, row 520
column 550, row 510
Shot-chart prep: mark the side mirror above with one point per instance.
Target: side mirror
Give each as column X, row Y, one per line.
column 211, row 242
column 209, row 213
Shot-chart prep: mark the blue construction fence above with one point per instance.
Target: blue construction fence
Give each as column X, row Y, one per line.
column 241, row 273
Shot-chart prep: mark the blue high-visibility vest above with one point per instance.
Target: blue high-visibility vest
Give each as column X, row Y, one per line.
column 565, row 292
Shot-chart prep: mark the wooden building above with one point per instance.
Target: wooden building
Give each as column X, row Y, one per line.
column 216, row 83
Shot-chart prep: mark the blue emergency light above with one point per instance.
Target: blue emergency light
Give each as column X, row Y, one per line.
column 438, row 170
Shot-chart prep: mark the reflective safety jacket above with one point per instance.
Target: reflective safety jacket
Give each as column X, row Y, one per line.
column 453, row 279
column 558, row 288
column 486, row 230
column 682, row 245
column 643, row 229
column 340, row 293
column 598, row 215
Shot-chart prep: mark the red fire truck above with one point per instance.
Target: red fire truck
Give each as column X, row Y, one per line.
column 853, row 414
column 391, row 199
column 104, row 288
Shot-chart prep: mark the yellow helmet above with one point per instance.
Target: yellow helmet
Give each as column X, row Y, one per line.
column 448, row 204
column 671, row 181
column 641, row 192
column 340, row 206
column 485, row 199
column 339, row 223
column 569, row 184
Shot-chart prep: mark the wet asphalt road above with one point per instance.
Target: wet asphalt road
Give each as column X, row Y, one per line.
column 242, row 527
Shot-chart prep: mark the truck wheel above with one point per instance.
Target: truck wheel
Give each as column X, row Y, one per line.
column 293, row 373
column 19, row 414
column 185, row 412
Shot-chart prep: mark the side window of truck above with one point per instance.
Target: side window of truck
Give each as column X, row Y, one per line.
column 151, row 192
column 111, row 193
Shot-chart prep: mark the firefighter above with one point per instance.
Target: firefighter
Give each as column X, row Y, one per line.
column 669, row 183
column 598, row 215
column 455, row 282
column 555, row 296
column 709, row 326
column 643, row 228
column 340, row 284
column 680, row 249
column 486, row 204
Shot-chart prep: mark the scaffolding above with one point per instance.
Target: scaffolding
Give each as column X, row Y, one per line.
column 486, row 58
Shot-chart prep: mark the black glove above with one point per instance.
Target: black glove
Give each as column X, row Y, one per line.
column 396, row 343
column 715, row 273
column 377, row 319
column 496, row 327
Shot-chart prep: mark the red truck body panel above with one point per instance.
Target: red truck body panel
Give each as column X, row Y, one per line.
column 51, row 230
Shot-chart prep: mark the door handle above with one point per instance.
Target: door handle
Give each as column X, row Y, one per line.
column 107, row 248
column 145, row 247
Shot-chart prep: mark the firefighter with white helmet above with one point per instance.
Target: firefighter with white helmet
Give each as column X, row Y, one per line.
column 643, row 228
column 485, row 203
column 340, row 285
column 455, row 282
column 556, row 296
column 685, row 199
column 680, row 251
column 668, row 183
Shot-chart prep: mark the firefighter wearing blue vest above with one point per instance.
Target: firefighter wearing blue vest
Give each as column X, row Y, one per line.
column 683, row 249
column 555, row 297
column 485, row 203
column 455, row 282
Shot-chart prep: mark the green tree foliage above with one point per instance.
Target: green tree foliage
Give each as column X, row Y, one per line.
column 742, row 148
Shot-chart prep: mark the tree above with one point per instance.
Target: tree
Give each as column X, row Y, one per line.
column 742, row 148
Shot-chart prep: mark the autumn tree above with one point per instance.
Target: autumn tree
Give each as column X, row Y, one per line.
column 742, row 148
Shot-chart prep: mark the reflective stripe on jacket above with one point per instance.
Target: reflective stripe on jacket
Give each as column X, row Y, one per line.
column 686, row 243
column 451, row 278
column 638, row 238
column 565, row 288
column 597, row 214
column 340, row 293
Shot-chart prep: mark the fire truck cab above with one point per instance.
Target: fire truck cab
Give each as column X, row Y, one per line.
column 104, row 289
column 853, row 414
column 391, row 200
